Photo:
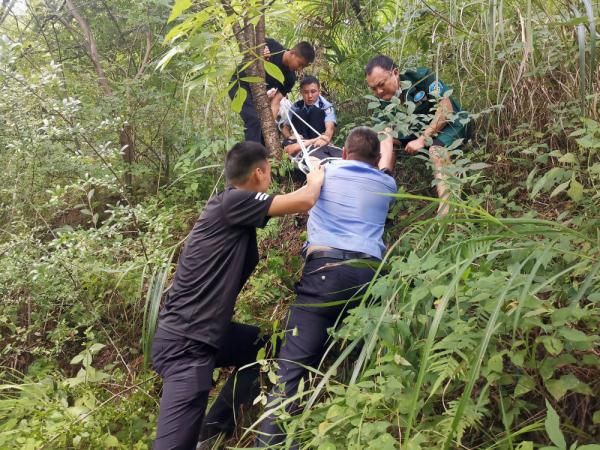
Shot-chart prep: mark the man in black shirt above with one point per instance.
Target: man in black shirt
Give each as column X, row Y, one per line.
column 195, row 333
column 288, row 61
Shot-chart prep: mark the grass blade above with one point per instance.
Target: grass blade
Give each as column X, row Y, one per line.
column 156, row 289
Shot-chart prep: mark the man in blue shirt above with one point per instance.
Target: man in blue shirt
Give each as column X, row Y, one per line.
column 346, row 223
column 314, row 110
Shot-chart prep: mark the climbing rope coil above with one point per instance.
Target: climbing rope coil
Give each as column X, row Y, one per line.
column 304, row 157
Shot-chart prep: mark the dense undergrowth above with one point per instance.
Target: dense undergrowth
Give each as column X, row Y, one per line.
column 482, row 331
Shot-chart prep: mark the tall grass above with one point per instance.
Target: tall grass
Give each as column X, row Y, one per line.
column 490, row 280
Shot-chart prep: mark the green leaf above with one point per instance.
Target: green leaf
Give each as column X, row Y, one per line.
column 478, row 166
column 162, row 63
column 111, row 441
column 401, row 361
column 537, row 187
column 575, row 190
column 495, row 363
column 553, row 345
column 383, row 442
column 439, row 291
column 596, row 417
column 77, row 359
column 568, row 158
column 574, row 335
column 95, row 348
column 178, row 8
column 335, row 411
column 558, row 388
column 272, row 377
column 552, row 425
column 239, row 99
column 274, row 71
column 524, row 385
column 525, row 445
column 78, row 412
column 561, row 187
column 589, row 447
column 251, row 79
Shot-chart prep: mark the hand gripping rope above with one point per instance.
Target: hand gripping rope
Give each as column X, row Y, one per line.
column 302, row 159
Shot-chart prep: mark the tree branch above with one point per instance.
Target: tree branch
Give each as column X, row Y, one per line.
column 5, row 9
column 144, row 61
column 90, row 44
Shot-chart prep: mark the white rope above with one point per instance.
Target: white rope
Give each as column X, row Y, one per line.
column 303, row 158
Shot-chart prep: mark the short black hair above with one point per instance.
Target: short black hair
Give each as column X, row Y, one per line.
column 305, row 51
column 363, row 144
column 385, row 62
column 242, row 159
column 309, row 79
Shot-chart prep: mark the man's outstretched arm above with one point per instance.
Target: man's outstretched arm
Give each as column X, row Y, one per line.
column 301, row 200
column 387, row 158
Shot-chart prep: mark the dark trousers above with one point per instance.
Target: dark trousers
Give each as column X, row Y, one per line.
column 323, row 280
column 186, row 368
column 252, row 129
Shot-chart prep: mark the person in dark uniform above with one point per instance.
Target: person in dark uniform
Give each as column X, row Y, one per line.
column 426, row 92
column 288, row 61
column 312, row 109
column 346, row 223
column 195, row 333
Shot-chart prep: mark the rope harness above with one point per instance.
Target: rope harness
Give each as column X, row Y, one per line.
column 302, row 159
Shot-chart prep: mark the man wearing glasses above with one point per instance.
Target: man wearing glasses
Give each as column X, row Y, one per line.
column 437, row 122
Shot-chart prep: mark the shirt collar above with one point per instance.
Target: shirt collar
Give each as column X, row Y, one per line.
column 355, row 162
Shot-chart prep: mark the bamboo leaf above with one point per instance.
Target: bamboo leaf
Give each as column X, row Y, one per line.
column 274, row 71
column 251, row 79
column 178, row 8
column 238, row 100
column 162, row 63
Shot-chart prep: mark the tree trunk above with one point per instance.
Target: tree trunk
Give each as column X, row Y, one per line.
column 251, row 41
column 259, row 94
column 125, row 133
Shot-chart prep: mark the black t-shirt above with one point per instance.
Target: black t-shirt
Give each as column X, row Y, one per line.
column 218, row 257
column 289, row 76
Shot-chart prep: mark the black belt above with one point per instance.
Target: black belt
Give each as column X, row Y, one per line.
column 335, row 253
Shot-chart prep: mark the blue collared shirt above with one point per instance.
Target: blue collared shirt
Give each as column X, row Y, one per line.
column 351, row 211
